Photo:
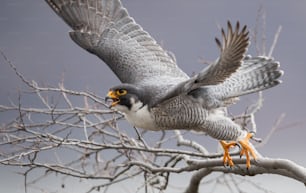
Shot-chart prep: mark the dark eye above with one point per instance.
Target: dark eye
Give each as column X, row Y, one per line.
column 121, row 92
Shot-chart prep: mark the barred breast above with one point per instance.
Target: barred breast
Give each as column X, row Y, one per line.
column 184, row 113
column 179, row 113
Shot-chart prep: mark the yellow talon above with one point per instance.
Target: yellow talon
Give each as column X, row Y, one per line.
column 246, row 150
column 227, row 159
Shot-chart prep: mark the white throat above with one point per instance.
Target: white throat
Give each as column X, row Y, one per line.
column 138, row 116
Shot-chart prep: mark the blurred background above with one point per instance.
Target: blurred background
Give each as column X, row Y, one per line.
column 36, row 40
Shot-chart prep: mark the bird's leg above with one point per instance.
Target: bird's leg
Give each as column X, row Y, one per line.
column 227, row 159
column 246, row 149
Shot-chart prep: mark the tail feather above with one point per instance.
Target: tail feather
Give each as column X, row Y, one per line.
column 255, row 74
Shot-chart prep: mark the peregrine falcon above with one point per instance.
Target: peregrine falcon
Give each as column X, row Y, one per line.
column 155, row 93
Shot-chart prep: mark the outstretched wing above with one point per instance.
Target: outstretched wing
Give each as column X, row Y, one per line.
column 232, row 49
column 104, row 28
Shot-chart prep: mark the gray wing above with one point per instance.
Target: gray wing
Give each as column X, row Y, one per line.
column 104, row 28
column 232, row 49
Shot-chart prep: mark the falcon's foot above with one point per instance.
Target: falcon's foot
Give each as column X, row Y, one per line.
column 227, row 159
column 246, row 149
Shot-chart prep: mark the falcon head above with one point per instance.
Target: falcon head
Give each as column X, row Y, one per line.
column 126, row 98
column 133, row 102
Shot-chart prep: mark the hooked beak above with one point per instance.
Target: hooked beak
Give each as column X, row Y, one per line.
column 112, row 95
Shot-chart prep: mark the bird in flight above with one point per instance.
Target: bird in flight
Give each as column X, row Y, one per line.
column 155, row 93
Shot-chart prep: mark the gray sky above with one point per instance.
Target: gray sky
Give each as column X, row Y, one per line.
column 37, row 42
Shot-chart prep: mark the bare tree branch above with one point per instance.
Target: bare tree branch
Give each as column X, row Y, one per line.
column 84, row 141
column 276, row 36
